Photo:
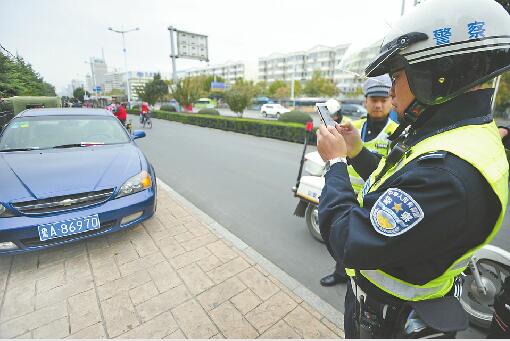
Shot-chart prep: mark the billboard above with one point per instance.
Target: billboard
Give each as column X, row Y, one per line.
column 192, row 46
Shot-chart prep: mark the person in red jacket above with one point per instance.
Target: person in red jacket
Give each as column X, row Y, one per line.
column 121, row 113
column 145, row 111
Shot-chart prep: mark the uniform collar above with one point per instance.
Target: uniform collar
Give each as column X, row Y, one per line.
column 470, row 108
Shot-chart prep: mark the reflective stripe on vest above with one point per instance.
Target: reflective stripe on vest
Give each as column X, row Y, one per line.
column 379, row 145
column 480, row 146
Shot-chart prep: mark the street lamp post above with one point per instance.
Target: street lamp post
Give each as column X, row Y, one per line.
column 123, row 32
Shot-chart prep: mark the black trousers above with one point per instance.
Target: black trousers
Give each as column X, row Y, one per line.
column 351, row 307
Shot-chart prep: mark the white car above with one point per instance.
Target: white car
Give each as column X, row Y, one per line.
column 273, row 110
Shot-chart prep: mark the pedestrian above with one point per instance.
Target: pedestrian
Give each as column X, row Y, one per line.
column 374, row 130
column 121, row 113
column 442, row 191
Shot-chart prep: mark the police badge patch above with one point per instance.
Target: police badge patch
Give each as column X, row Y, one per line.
column 395, row 212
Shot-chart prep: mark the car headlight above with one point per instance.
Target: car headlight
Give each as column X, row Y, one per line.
column 136, row 184
column 4, row 212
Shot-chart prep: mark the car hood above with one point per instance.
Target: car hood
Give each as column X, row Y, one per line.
column 47, row 173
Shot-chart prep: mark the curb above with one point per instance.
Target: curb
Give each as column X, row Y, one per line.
column 326, row 309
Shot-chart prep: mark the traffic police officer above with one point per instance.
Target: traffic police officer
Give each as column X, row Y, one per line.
column 374, row 130
column 442, row 191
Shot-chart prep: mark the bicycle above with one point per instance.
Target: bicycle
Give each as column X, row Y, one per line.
column 146, row 121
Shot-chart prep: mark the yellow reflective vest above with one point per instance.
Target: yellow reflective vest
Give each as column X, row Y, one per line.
column 379, row 144
column 480, row 146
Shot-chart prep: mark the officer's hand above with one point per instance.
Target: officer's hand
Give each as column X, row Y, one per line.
column 330, row 143
column 352, row 139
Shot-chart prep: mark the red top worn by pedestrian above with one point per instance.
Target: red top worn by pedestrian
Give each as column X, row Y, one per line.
column 121, row 113
column 145, row 108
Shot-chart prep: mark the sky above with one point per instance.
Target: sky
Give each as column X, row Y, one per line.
column 58, row 36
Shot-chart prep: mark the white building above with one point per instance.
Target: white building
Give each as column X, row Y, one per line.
column 230, row 71
column 114, row 81
column 98, row 69
column 138, row 79
column 302, row 64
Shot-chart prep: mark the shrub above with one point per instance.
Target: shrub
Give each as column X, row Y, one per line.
column 168, row 107
column 295, row 116
column 208, row 111
column 136, row 107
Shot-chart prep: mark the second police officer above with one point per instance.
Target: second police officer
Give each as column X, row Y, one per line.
column 442, row 191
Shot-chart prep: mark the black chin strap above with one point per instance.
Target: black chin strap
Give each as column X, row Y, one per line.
column 410, row 117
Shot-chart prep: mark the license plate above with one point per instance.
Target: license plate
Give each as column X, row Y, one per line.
column 68, row 227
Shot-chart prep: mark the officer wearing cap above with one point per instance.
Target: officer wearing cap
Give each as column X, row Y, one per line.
column 442, row 191
column 374, row 131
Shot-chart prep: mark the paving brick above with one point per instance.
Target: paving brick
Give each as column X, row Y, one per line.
column 164, row 276
column 215, row 296
column 18, row 301
column 55, row 330
column 24, row 336
column 246, row 301
column 258, row 283
column 335, row 328
column 269, row 312
column 189, row 257
column 52, row 280
column 193, row 321
column 77, row 268
column 195, row 279
column 307, row 326
column 61, row 293
column 184, row 237
column 105, row 271
column 119, row 314
column 126, row 256
column 178, row 334
column 231, row 322
column 163, row 302
column 111, row 288
column 24, row 262
column 197, row 229
column 143, row 293
column 228, row 270
column 157, row 328
column 141, row 263
column 280, row 330
column 209, row 263
column 153, row 225
column 217, row 336
column 83, row 311
column 93, row 332
column 311, row 310
column 286, row 290
column 197, row 242
column 33, row 320
column 170, row 247
column 144, row 245
column 222, row 251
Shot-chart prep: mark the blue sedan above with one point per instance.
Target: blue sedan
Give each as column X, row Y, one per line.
column 70, row 174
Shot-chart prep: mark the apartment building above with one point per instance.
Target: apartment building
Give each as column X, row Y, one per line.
column 229, row 71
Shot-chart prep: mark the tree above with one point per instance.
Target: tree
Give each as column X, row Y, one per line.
column 320, row 86
column 17, row 78
column 239, row 95
column 153, row 91
column 275, row 86
column 261, row 89
column 79, row 94
column 503, row 95
column 187, row 90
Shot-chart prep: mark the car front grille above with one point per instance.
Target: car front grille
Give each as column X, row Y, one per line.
column 62, row 203
column 33, row 242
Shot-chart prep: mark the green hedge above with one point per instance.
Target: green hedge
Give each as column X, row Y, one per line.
column 286, row 131
column 295, row 116
column 208, row 111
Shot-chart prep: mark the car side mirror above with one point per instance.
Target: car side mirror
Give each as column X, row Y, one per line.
column 138, row 134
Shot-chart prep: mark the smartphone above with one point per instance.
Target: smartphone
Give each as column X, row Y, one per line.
column 325, row 115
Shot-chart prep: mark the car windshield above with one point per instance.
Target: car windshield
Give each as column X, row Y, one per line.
column 45, row 132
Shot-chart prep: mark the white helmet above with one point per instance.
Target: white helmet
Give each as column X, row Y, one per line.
column 447, row 47
column 333, row 106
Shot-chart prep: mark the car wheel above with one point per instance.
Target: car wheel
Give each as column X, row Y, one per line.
column 312, row 221
column 277, row 115
column 264, row 114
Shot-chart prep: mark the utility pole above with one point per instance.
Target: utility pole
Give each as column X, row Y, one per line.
column 292, row 87
column 403, row 7
column 123, row 33
column 173, row 54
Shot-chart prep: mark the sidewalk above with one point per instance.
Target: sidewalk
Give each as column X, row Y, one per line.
column 178, row 275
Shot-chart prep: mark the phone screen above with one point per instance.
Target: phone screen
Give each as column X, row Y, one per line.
column 325, row 115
